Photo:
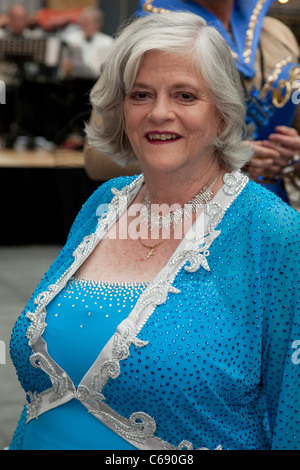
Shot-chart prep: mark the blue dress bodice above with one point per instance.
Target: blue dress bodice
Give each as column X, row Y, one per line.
column 80, row 320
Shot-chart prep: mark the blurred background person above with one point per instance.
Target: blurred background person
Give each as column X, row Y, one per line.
column 13, row 69
column 85, row 48
column 17, row 22
column 87, row 45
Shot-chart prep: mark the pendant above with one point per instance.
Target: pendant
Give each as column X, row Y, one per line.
column 151, row 253
column 151, row 248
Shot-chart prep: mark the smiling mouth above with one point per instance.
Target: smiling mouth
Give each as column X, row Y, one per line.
column 162, row 137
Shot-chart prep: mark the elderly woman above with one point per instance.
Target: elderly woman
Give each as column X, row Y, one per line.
column 169, row 319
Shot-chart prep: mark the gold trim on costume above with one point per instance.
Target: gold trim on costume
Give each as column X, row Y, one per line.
column 250, row 31
column 282, row 93
column 149, row 8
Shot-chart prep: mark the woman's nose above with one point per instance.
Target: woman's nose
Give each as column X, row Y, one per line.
column 161, row 110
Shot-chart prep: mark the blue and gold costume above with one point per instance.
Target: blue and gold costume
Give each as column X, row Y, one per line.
column 272, row 104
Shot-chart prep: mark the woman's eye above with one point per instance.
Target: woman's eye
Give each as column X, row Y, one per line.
column 139, row 95
column 186, row 96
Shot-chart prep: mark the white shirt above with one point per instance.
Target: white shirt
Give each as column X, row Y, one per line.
column 88, row 55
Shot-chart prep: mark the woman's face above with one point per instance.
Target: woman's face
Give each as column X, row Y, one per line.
column 170, row 119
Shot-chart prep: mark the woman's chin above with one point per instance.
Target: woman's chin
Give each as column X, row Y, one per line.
column 162, row 164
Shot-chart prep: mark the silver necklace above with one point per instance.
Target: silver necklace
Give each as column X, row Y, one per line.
column 156, row 220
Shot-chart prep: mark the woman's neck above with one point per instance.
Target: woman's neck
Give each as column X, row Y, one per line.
column 222, row 9
column 179, row 189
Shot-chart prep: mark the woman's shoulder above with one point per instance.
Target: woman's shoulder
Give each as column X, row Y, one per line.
column 104, row 191
column 268, row 211
column 98, row 202
column 264, row 200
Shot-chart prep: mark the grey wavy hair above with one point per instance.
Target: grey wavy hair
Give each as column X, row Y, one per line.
column 176, row 33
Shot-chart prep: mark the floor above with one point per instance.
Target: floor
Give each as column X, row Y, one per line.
column 21, row 268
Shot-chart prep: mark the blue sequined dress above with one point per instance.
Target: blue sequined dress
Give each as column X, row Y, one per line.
column 80, row 320
column 205, row 356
